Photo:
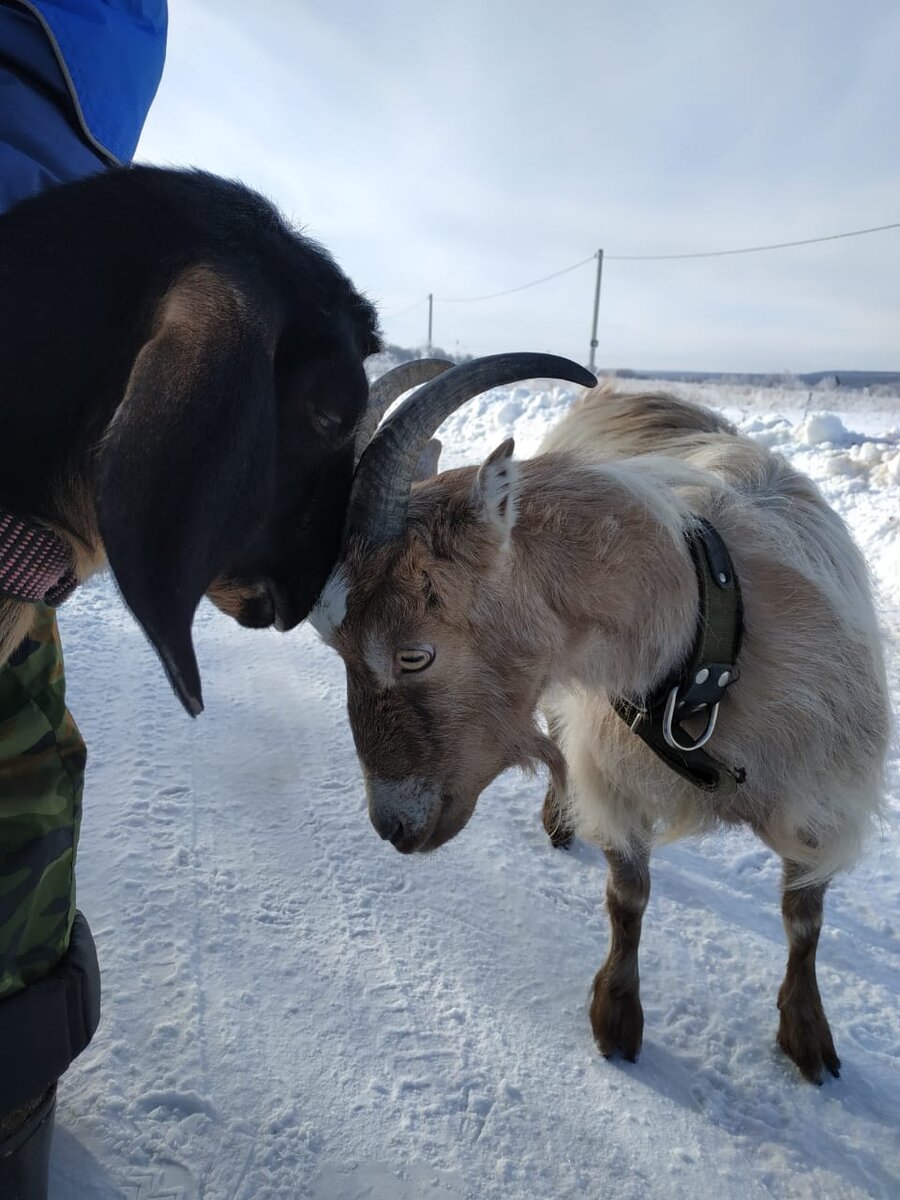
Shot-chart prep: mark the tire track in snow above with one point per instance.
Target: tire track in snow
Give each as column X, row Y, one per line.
column 423, row 1073
column 153, row 971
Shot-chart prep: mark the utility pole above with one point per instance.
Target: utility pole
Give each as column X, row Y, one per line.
column 430, row 315
column 593, row 356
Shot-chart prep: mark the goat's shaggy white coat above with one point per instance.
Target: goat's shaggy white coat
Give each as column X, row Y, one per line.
column 808, row 719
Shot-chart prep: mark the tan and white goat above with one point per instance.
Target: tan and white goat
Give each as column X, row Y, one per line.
column 465, row 605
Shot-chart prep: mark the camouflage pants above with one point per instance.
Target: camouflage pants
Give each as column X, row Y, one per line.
column 42, row 760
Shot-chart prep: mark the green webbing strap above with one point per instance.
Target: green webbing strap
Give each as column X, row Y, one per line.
column 697, row 687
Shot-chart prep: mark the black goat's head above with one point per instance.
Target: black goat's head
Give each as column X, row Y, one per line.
column 196, row 366
column 227, row 466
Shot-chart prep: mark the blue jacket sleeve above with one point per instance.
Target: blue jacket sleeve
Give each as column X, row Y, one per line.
column 111, row 53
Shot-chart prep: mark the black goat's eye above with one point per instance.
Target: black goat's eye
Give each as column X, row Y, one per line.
column 326, row 422
column 414, row 658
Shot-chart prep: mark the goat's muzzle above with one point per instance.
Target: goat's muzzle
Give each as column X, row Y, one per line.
column 258, row 604
column 404, row 812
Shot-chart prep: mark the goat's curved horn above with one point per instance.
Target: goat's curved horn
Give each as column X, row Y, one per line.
column 386, row 389
column 384, row 475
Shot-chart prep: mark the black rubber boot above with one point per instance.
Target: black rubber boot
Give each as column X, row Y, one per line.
column 25, row 1149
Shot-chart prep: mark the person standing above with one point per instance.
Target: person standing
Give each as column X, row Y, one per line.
column 77, row 78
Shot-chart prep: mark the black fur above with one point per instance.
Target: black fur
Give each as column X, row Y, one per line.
column 212, row 445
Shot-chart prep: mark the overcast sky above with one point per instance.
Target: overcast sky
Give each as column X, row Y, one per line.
column 468, row 147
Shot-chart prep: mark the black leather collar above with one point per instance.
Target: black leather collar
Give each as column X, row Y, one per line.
column 695, row 690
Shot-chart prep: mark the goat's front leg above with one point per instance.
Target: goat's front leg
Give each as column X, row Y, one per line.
column 617, row 1018
column 803, row 1032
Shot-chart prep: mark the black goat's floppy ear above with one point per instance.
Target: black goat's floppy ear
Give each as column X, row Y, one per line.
column 186, row 467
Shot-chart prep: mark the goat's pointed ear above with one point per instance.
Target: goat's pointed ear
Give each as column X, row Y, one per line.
column 496, row 489
column 186, row 467
column 427, row 466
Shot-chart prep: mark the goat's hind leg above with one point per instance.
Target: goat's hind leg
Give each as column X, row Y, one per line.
column 557, row 824
column 803, row 1032
column 617, row 1018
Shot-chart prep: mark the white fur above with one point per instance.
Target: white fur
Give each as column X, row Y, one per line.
column 331, row 607
column 808, row 719
column 496, row 490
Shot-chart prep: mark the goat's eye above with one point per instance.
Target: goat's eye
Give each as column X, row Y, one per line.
column 326, row 422
column 414, row 658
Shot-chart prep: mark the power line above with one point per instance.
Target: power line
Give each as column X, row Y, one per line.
column 598, row 257
column 832, row 237
column 520, row 288
column 404, row 311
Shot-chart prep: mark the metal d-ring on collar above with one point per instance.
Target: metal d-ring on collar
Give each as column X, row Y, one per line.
column 699, row 685
column 669, row 716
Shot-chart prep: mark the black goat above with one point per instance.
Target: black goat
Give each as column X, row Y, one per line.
column 181, row 374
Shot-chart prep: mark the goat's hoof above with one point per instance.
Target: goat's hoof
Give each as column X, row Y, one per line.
column 557, row 830
column 810, row 1046
column 617, row 1021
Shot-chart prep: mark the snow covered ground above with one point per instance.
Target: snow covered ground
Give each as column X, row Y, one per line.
column 293, row 1010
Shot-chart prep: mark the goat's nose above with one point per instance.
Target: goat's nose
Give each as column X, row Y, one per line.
column 393, row 829
column 401, row 810
column 387, row 825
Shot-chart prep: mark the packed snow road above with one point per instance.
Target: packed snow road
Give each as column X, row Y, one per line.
column 293, row 1010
